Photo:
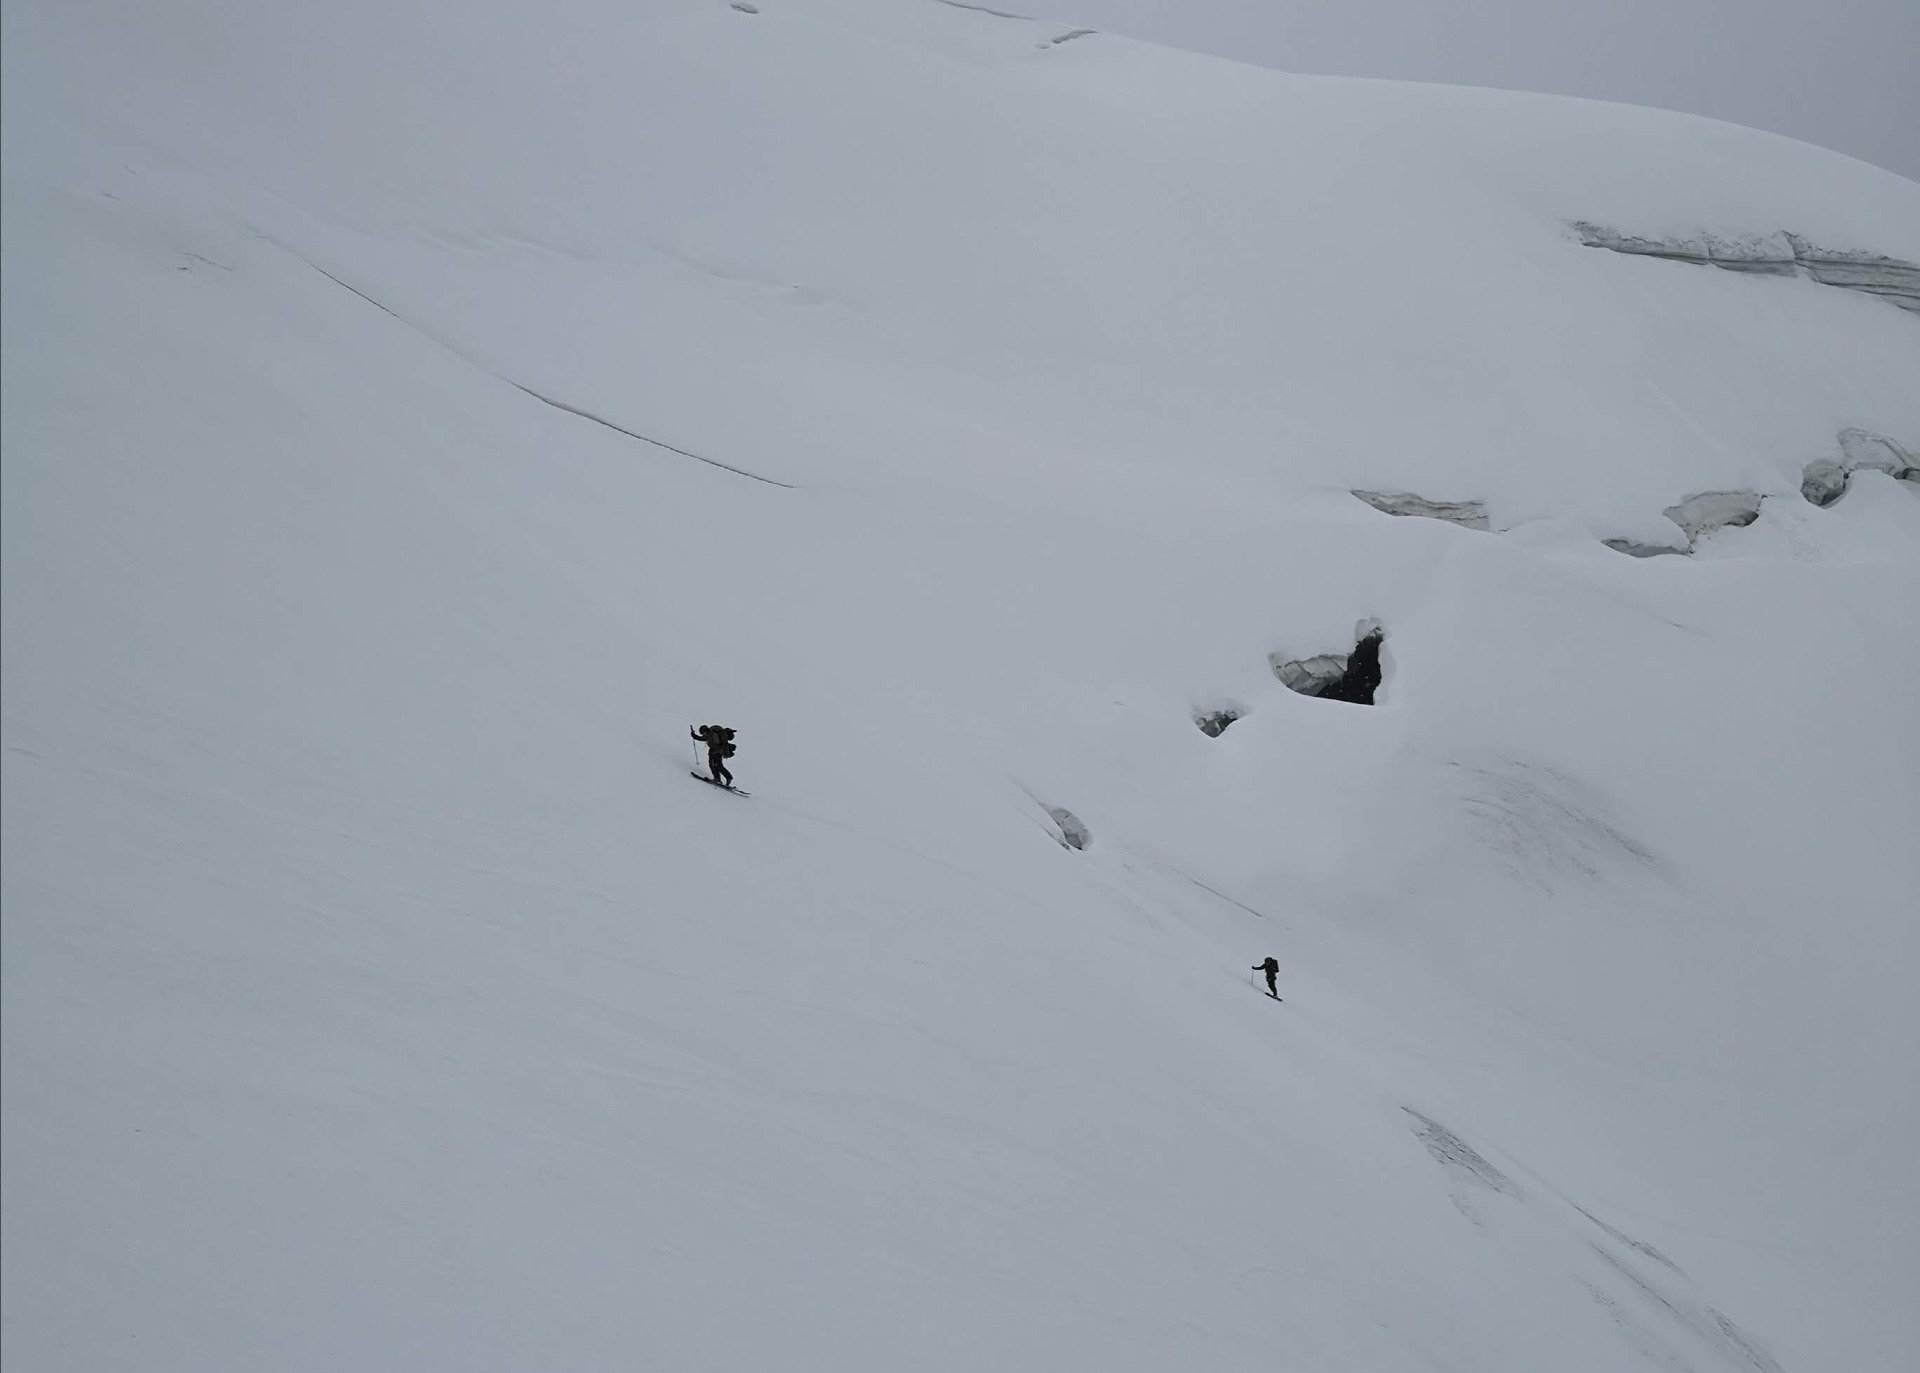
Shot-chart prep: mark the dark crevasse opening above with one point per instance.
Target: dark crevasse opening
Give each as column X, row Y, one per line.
column 1697, row 516
column 1074, row 833
column 1213, row 723
column 1826, row 479
column 1354, row 677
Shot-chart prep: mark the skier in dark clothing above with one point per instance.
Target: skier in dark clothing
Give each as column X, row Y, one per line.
column 719, row 742
column 1272, row 969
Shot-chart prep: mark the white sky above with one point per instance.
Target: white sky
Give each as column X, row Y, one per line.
column 1844, row 74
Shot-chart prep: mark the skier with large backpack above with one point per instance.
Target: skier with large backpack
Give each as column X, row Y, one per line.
column 719, row 742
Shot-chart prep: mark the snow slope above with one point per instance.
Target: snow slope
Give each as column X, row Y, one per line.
column 410, row 429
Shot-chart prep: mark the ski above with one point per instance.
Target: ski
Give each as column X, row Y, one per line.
column 720, row 786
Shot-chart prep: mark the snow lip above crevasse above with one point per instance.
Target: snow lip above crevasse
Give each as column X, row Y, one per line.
column 1781, row 253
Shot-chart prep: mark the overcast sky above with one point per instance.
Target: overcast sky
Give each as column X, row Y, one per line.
column 1841, row 73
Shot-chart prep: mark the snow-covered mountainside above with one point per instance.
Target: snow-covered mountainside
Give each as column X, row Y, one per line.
column 417, row 418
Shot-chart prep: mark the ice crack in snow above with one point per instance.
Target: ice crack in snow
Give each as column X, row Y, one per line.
column 1893, row 279
column 528, row 390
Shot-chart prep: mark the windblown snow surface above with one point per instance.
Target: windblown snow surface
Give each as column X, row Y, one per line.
column 417, row 416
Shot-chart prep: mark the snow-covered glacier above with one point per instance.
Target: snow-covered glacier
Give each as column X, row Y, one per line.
column 415, row 419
